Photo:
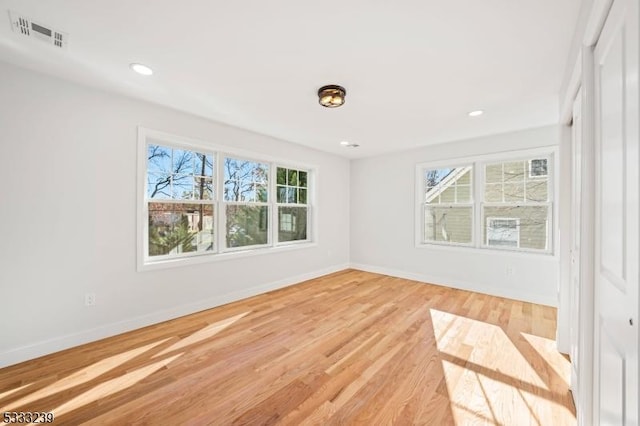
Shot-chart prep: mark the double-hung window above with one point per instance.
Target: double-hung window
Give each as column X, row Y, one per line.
column 293, row 210
column 497, row 202
column 517, row 207
column 199, row 201
column 246, row 200
column 180, row 202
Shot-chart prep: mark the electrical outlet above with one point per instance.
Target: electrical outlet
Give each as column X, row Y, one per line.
column 509, row 271
column 90, row 299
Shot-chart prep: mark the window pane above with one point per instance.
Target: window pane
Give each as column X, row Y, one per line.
column 448, row 195
column 537, row 190
column 292, row 223
column 514, row 171
column 538, row 167
column 448, row 224
column 183, row 162
column 158, row 186
column 514, row 192
column 203, row 165
column 463, row 194
column 493, row 192
column 241, row 178
column 247, row 225
column 203, row 188
column 292, row 195
column 158, row 160
column 182, row 187
column 302, row 196
column 493, row 173
column 440, row 185
column 180, row 228
column 282, row 194
column 465, row 179
column 292, row 178
column 282, row 176
column 302, row 179
column 531, row 230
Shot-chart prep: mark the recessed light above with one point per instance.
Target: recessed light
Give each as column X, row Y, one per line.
column 476, row 113
column 141, row 69
column 347, row 144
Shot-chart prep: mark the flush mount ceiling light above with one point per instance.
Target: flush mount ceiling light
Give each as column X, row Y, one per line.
column 476, row 113
column 331, row 96
column 141, row 69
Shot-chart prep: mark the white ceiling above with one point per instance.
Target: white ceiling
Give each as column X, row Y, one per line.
column 413, row 69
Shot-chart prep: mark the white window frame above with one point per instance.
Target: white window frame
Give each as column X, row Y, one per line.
column 220, row 252
column 478, row 163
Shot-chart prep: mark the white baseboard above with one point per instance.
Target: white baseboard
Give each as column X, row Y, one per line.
column 24, row 353
column 475, row 287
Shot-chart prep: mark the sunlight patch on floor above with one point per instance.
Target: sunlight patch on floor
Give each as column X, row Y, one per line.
column 112, row 386
column 10, row 392
column 483, row 344
column 472, row 417
column 492, row 380
column 207, row 332
column 548, row 350
column 81, row 376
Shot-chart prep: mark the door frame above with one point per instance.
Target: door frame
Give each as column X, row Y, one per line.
column 582, row 78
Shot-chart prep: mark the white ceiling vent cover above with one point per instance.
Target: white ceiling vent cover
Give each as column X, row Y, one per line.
column 27, row 27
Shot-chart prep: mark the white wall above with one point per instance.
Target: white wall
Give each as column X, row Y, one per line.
column 382, row 225
column 68, row 218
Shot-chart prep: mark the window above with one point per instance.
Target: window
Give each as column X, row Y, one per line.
column 500, row 203
column 448, row 208
column 292, row 204
column 199, row 201
column 179, row 201
column 510, row 191
column 246, row 197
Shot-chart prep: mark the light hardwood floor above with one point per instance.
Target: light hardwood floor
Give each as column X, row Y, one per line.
column 348, row 348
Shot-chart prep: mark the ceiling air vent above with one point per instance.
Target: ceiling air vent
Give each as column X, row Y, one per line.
column 27, row 27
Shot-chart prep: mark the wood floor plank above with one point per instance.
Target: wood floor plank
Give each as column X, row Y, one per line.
column 348, row 348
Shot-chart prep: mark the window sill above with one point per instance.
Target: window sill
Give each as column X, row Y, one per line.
column 151, row 265
column 542, row 255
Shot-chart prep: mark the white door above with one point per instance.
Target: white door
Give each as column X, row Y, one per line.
column 576, row 203
column 617, row 236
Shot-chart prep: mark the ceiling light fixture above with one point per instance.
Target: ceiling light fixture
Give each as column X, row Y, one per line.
column 476, row 113
column 331, row 96
column 141, row 69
